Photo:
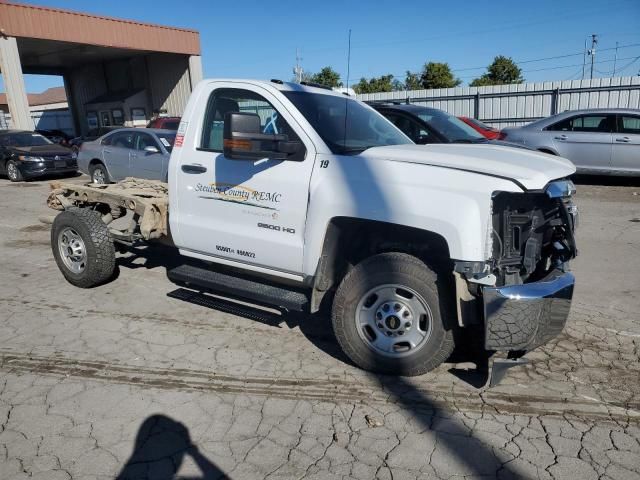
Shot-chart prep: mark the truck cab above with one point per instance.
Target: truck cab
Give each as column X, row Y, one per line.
column 301, row 197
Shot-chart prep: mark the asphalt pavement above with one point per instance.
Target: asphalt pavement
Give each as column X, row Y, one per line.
column 141, row 379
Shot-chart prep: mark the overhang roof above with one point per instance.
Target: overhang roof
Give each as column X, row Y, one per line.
column 48, row 97
column 34, row 22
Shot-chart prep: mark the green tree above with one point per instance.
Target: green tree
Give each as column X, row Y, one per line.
column 412, row 81
column 502, row 71
column 383, row 83
column 327, row 76
column 438, row 75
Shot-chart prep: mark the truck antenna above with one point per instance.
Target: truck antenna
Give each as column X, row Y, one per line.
column 346, row 102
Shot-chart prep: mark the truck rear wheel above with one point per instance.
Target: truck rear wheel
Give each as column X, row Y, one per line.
column 387, row 316
column 83, row 247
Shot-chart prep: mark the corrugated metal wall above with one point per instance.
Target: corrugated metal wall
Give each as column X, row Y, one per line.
column 506, row 105
column 169, row 82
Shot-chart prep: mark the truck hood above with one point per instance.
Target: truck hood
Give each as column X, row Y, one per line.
column 529, row 168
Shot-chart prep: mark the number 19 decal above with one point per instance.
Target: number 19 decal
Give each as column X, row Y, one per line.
column 324, row 163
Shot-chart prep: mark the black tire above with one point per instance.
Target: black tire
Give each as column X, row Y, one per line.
column 400, row 269
column 100, row 261
column 13, row 172
column 99, row 167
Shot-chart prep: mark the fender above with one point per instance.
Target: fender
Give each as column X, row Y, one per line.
column 453, row 204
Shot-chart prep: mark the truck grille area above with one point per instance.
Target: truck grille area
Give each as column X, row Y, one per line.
column 532, row 234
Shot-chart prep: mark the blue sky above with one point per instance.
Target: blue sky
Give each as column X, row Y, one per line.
column 259, row 39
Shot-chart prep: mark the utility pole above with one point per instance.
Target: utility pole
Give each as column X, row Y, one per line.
column 297, row 70
column 615, row 59
column 592, row 52
column 584, row 57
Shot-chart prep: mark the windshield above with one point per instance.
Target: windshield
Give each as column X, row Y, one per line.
column 24, row 140
column 345, row 125
column 450, row 127
column 167, row 140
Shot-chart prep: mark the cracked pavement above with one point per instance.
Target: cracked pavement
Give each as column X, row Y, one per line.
column 139, row 379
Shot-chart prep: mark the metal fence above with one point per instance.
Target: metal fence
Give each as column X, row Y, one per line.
column 507, row 105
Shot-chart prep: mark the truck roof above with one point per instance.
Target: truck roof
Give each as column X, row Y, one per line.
column 282, row 86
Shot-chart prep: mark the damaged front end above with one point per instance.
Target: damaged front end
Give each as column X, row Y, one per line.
column 525, row 290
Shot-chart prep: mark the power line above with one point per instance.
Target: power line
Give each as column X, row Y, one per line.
column 522, row 62
column 562, row 66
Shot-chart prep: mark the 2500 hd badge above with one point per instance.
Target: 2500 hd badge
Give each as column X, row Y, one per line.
column 277, row 228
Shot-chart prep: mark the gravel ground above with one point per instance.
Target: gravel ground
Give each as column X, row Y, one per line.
column 136, row 379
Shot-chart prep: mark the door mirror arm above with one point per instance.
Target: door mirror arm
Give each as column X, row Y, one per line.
column 151, row 149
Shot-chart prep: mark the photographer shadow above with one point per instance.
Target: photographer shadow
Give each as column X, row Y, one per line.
column 160, row 449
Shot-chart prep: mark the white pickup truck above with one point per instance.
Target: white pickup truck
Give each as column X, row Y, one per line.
column 299, row 197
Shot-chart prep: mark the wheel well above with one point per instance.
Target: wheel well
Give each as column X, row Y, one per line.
column 348, row 241
column 95, row 161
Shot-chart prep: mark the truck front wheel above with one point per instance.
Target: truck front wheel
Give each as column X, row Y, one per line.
column 387, row 316
column 83, row 247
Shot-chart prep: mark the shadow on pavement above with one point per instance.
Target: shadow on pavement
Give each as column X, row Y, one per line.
column 160, row 449
column 465, row 452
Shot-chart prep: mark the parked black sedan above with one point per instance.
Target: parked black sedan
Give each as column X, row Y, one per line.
column 429, row 125
column 25, row 155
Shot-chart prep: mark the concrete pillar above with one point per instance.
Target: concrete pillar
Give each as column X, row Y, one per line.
column 14, row 84
column 73, row 108
column 195, row 70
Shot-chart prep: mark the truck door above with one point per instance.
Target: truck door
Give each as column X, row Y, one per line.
column 243, row 211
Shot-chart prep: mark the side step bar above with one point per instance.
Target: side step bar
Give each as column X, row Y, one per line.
column 202, row 279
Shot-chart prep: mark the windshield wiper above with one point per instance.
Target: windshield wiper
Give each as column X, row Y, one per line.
column 469, row 140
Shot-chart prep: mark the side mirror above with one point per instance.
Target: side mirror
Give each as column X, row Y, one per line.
column 244, row 140
column 151, row 149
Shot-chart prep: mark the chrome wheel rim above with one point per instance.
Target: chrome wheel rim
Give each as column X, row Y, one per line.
column 393, row 320
column 99, row 176
column 12, row 171
column 72, row 250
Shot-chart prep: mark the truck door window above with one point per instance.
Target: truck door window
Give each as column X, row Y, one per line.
column 225, row 100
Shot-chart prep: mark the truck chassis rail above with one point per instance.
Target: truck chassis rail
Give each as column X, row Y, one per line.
column 144, row 202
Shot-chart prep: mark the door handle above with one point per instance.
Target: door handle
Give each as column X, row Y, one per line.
column 560, row 137
column 194, row 168
column 623, row 139
column 106, row 151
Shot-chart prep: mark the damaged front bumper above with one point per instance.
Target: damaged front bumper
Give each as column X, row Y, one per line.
column 523, row 317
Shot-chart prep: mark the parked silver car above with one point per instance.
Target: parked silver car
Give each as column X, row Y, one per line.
column 597, row 141
column 127, row 152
